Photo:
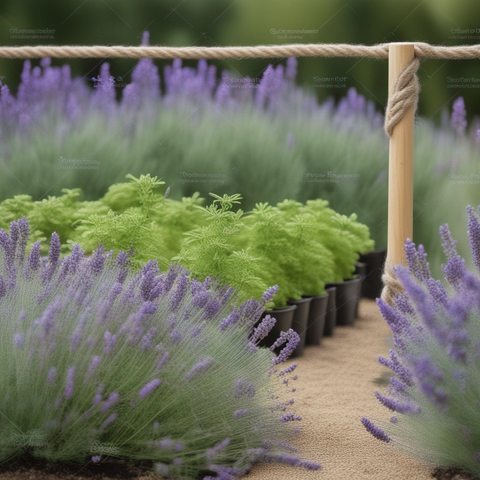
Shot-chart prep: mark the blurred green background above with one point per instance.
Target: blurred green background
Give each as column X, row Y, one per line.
column 252, row 22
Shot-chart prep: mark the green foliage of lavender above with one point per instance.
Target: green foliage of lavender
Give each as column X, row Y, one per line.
column 270, row 142
column 435, row 392
column 99, row 360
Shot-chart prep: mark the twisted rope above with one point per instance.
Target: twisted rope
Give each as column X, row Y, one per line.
column 380, row 51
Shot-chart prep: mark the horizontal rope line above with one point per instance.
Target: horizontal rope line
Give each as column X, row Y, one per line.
column 422, row 50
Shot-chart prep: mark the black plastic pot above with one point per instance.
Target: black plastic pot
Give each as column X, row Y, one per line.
column 361, row 272
column 372, row 284
column 346, row 299
column 331, row 313
column 316, row 319
column 284, row 317
column 300, row 322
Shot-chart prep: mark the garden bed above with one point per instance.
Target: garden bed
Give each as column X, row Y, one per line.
column 334, row 390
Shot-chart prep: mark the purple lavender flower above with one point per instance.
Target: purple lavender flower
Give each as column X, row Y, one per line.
column 176, row 336
column 455, row 269
column 217, row 449
column 18, row 340
column 397, row 406
column 232, row 319
column 212, row 308
column 110, row 341
column 55, row 245
column 34, row 256
column 290, row 417
column 98, row 395
column 179, row 292
column 375, row 431
column 24, row 235
column 111, row 400
column 96, row 458
column 93, row 366
column 200, row 297
column 291, row 70
column 243, row 387
column 199, row 367
column 474, row 235
column 263, row 329
column 166, row 443
column 289, row 369
column 108, row 421
column 292, row 338
column 147, row 340
column 149, row 388
column 417, row 262
column 265, row 87
column 51, row 375
column 459, row 116
column 163, row 360
column 310, row 465
column 98, row 260
column 269, row 294
column 70, row 382
column 396, row 321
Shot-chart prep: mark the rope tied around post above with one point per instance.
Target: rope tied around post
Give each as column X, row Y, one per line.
column 403, row 97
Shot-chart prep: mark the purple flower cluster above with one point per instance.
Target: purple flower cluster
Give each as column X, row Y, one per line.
column 435, row 337
column 459, row 116
column 46, row 88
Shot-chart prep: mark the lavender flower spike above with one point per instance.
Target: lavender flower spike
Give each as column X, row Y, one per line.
column 269, row 294
column 108, row 421
column 149, row 388
column 111, row 400
column 375, row 431
column 218, row 448
column 263, row 329
column 474, row 235
column 70, row 380
column 51, row 375
column 199, row 367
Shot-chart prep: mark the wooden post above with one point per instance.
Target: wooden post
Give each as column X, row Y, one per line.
column 400, row 170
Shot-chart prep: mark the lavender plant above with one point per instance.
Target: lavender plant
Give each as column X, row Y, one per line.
column 146, row 365
column 434, row 393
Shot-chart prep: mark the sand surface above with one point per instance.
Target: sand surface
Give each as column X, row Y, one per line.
column 334, row 390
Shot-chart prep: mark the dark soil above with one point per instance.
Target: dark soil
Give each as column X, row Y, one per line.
column 31, row 469
column 452, row 474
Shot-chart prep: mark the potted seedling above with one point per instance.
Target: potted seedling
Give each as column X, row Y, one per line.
column 345, row 238
column 289, row 255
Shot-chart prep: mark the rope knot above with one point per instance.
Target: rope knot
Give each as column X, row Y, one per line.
column 404, row 95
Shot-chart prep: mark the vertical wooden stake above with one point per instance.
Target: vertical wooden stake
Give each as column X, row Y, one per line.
column 400, row 170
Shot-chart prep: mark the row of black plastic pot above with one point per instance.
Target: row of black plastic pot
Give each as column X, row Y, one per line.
column 315, row 317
